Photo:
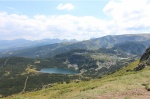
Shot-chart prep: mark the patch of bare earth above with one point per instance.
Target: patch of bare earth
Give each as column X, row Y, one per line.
column 131, row 94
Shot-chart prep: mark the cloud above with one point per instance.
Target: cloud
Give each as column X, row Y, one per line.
column 126, row 17
column 129, row 14
column 66, row 6
column 14, row 26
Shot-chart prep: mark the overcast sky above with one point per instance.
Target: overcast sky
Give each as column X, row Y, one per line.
column 72, row 19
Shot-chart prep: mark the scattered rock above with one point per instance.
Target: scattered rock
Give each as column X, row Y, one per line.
column 77, row 81
column 47, row 86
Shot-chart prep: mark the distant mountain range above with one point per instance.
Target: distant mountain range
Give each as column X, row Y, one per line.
column 23, row 43
column 131, row 43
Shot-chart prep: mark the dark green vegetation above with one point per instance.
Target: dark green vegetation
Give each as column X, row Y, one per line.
column 126, row 83
column 95, row 63
column 15, row 71
column 104, row 42
column 134, row 48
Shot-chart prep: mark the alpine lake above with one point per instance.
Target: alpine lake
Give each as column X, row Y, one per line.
column 59, row 71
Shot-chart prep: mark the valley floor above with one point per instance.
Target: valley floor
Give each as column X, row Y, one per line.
column 123, row 84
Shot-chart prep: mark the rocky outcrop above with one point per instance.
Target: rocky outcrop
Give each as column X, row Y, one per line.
column 144, row 61
column 146, row 55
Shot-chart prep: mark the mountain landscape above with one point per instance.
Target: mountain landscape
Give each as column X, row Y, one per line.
column 74, row 49
column 96, row 61
column 90, row 64
column 127, row 82
column 111, row 41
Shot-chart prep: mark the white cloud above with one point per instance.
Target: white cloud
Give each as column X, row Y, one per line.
column 127, row 16
column 14, row 26
column 66, row 6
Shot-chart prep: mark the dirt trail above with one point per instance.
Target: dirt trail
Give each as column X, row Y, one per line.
column 6, row 61
column 131, row 94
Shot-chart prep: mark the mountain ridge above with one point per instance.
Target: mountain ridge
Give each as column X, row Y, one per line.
column 93, row 44
column 23, row 43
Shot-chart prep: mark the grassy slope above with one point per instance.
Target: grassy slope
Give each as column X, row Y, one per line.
column 120, row 81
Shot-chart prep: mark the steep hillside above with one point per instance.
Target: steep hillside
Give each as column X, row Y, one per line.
column 90, row 64
column 93, row 44
column 123, row 84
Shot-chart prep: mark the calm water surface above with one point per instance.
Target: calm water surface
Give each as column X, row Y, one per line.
column 59, row 71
